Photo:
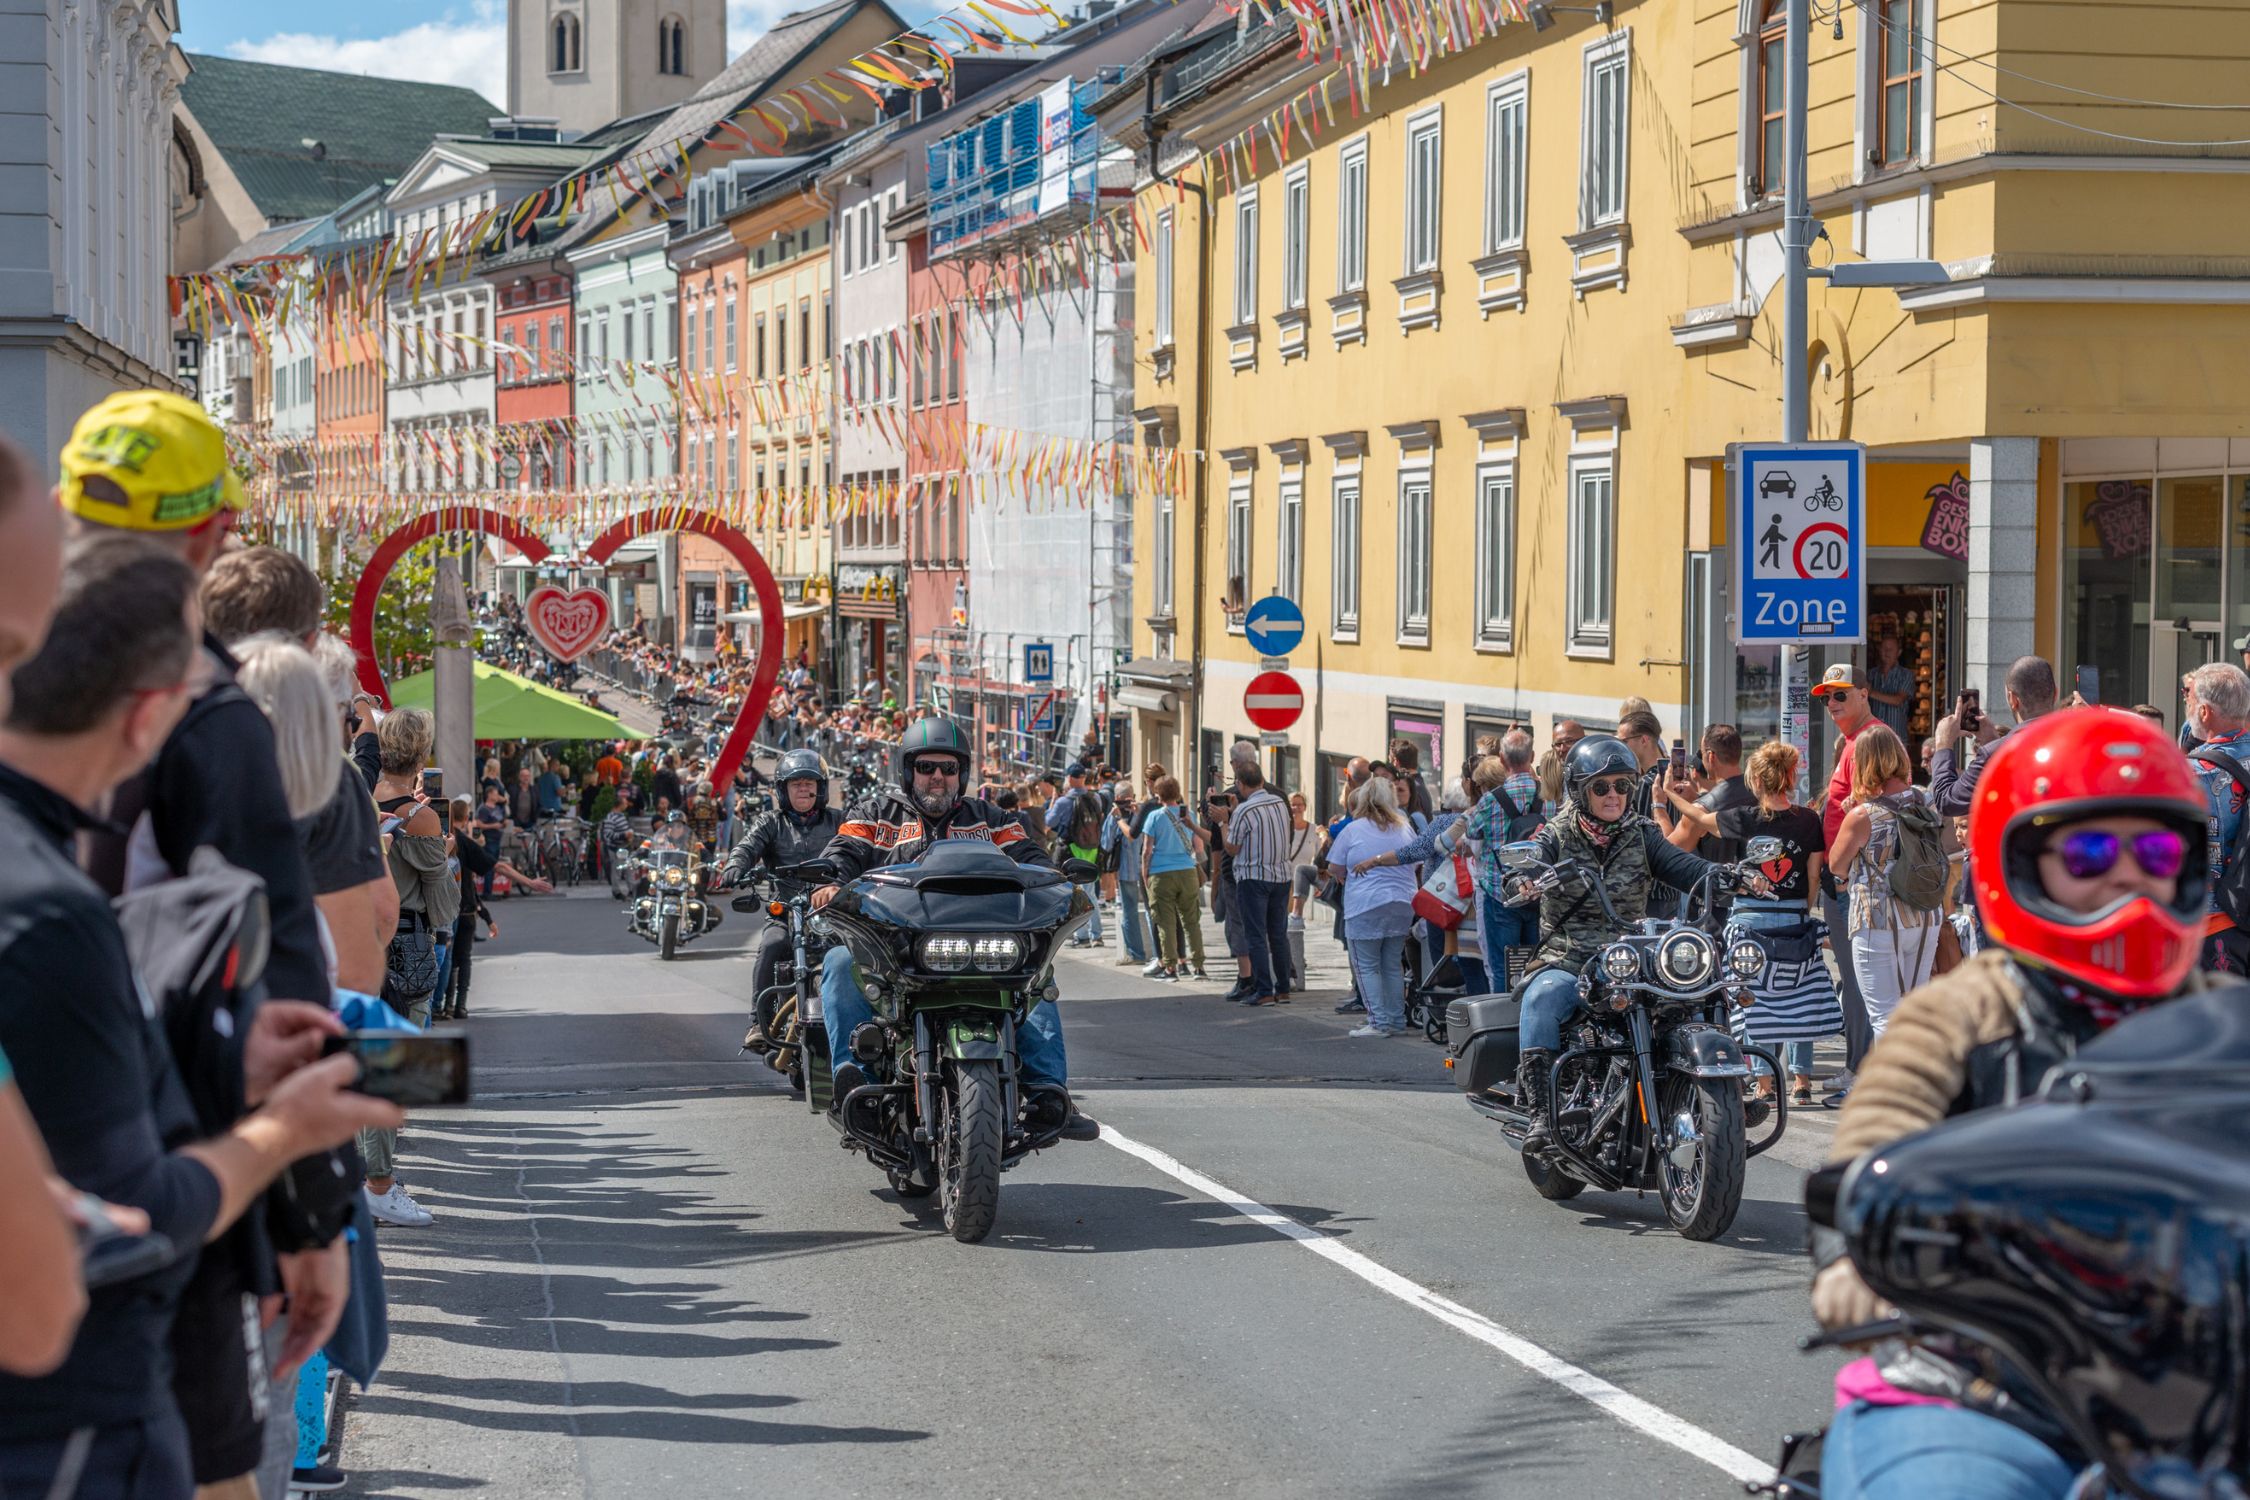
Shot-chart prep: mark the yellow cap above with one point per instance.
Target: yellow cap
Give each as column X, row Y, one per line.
column 148, row 461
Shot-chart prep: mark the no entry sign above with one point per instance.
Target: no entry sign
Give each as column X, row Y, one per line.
column 1273, row 700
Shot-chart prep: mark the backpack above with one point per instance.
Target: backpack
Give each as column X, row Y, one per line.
column 1516, row 823
column 1917, row 872
column 2232, row 895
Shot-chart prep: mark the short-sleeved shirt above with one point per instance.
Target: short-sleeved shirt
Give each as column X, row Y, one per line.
column 1798, row 828
column 1898, row 679
column 1839, row 799
column 1169, row 847
column 342, row 849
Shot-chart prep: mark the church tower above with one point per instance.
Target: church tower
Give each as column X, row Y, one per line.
column 588, row 62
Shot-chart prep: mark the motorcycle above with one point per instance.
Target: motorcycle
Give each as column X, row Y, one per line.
column 786, row 897
column 672, row 910
column 1647, row 1094
column 859, row 780
column 2082, row 1253
column 952, row 951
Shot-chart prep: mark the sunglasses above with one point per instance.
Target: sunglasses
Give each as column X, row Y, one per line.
column 937, row 768
column 2092, row 852
column 1618, row 786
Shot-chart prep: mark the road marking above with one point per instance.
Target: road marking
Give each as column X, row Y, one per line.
column 1626, row 1407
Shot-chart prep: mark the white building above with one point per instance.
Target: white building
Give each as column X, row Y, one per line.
column 86, row 227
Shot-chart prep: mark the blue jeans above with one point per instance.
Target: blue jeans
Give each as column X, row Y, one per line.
column 1090, row 930
column 1505, row 927
column 1935, row 1453
column 1474, row 979
column 1550, row 997
column 444, row 972
column 1039, row 1040
column 1379, row 964
column 1132, row 919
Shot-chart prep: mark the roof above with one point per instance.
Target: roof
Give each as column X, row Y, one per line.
column 274, row 239
column 259, row 116
column 764, row 64
column 562, row 155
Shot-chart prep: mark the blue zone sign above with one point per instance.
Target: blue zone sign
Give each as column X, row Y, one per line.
column 1799, row 519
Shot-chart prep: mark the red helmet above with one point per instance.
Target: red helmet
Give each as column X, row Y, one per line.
column 2085, row 763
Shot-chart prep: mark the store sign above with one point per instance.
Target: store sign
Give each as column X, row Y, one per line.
column 1800, row 516
column 2122, row 518
column 1946, row 530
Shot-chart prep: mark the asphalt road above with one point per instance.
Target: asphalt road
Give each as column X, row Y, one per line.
column 1298, row 1265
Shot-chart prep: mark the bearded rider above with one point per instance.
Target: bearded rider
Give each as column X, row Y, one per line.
column 894, row 825
column 2086, row 844
column 1595, row 824
column 797, row 829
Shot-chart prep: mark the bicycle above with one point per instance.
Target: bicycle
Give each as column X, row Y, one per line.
column 561, row 849
column 1824, row 497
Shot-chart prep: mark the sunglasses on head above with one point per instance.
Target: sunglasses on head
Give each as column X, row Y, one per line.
column 942, row 767
column 1617, row 786
column 2091, row 852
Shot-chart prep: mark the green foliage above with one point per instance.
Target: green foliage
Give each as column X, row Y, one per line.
column 404, row 643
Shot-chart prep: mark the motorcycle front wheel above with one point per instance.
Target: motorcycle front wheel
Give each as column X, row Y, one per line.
column 1550, row 1182
column 1703, row 1192
column 668, row 938
column 970, row 1129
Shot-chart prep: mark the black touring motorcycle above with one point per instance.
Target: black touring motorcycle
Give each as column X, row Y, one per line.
column 1647, row 1094
column 952, row 950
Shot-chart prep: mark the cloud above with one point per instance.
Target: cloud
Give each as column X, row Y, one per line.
column 471, row 53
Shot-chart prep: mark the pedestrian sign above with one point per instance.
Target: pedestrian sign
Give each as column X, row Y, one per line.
column 1800, row 528
column 1038, row 662
column 1274, row 625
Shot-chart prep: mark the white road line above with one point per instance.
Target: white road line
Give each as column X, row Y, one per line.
column 1623, row 1405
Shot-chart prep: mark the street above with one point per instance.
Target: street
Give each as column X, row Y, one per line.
column 1295, row 1263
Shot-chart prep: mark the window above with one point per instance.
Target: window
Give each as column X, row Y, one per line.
column 804, row 333
column 892, row 202
column 734, row 461
column 1165, row 543
column 710, row 337
column 1899, row 106
column 866, row 235
column 601, row 344
column 733, row 337
column 1289, row 546
column 1602, row 144
column 555, row 341
column 1593, row 555
column 1296, row 229
column 921, row 372
column 1425, row 188
column 1507, row 112
column 565, row 44
column 1495, row 555
column 648, row 325
column 1344, row 555
column 1246, row 254
column 671, row 46
column 1414, row 557
column 1237, row 581
column 1769, row 167
column 1351, row 217
column 711, row 462
column 532, row 365
column 758, row 345
column 827, row 325
column 1163, row 248
column 781, row 339
column 952, row 363
column 626, row 330
column 846, row 245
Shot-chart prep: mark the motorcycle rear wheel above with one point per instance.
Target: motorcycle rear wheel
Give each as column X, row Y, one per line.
column 1702, row 1199
column 668, row 939
column 969, row 1139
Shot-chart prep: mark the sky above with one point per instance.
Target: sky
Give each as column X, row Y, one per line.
column 436, row 41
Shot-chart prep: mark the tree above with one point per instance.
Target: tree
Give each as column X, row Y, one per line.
column 403, row 642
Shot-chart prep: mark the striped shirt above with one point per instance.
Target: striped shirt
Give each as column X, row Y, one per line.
column 1260, row 831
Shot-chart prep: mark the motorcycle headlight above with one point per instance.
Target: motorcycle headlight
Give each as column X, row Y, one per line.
column 946, row 955
column 675, row 877
column 996, row 955
column 1686, row 959
column 1621, row 963
column 1746, row 960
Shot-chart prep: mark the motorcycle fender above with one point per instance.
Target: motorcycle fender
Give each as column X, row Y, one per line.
column 972, row 1039
column 1704, row 1052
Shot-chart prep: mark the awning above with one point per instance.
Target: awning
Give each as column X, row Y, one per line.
column 788, row 612
column 1158, row 672
column 509, row 707
column 1154, row 700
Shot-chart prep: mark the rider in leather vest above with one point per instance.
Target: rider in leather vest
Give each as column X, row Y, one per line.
column 797, row 829
column 2086, row 846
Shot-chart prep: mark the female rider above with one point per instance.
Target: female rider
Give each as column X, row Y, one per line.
column 2086, row 843
column 1594, row 825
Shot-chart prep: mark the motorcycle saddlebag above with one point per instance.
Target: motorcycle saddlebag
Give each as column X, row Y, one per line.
column 1483, row 1029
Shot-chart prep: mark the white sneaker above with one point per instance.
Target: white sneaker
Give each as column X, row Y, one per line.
column 395, row 1207
column 1370, row 1031
column 1155, row 969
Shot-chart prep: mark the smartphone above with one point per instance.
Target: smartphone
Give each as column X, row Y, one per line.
column 409, row 1069
column 1679, row 759
column 433, row 784
column 1969, row 711
column 108, row 1254
column 2090, row 684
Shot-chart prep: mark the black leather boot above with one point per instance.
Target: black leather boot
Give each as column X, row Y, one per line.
column 1533, row 1071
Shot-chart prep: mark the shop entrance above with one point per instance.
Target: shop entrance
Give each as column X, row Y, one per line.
column 1924, row 618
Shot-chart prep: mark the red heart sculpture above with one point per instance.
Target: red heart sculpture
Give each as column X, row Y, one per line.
column 568, row 625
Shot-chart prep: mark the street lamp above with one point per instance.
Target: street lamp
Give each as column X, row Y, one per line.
column 1543, row 15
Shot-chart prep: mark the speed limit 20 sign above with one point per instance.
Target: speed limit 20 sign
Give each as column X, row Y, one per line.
column 1800, row 513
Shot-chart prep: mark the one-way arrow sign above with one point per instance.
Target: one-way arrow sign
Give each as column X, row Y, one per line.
column 1274, row 625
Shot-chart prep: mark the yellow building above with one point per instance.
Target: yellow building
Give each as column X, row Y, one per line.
column 1462, row 369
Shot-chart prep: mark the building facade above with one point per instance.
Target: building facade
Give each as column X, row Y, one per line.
column 584, row 63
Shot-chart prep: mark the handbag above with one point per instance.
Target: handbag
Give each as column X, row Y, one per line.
column 410, row 964
column 1445, row 897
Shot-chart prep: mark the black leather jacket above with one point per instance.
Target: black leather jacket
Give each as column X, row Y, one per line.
column 886, row 828
column 780, row 837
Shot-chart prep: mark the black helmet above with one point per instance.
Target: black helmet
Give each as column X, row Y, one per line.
column 932, row 736
column 675, row 816
column 803, row 765
column 1595, row 756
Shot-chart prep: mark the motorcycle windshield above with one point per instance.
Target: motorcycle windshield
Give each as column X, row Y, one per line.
column 965, row 885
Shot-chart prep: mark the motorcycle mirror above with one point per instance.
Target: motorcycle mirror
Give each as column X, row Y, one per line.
column 1080, row 871
column 1761, row 850
column 1523, row 854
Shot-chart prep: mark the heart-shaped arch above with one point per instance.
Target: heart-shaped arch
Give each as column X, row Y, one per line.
column 393, row 547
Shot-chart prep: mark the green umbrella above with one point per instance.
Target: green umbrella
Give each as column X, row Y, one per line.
column 516, row 708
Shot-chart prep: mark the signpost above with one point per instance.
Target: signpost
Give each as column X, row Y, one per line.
column 1799, row 520
column 1274, row 625
column 1273, row 701
column 1038, row 662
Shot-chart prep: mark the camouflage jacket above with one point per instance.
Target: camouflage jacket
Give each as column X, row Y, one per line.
column 1637, row 857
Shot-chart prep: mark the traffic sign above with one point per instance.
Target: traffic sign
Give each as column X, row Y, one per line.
column 1274, row 625
column 1038, row 662
column 1273, row 700
column 1799, row 516
column 1039, row 718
